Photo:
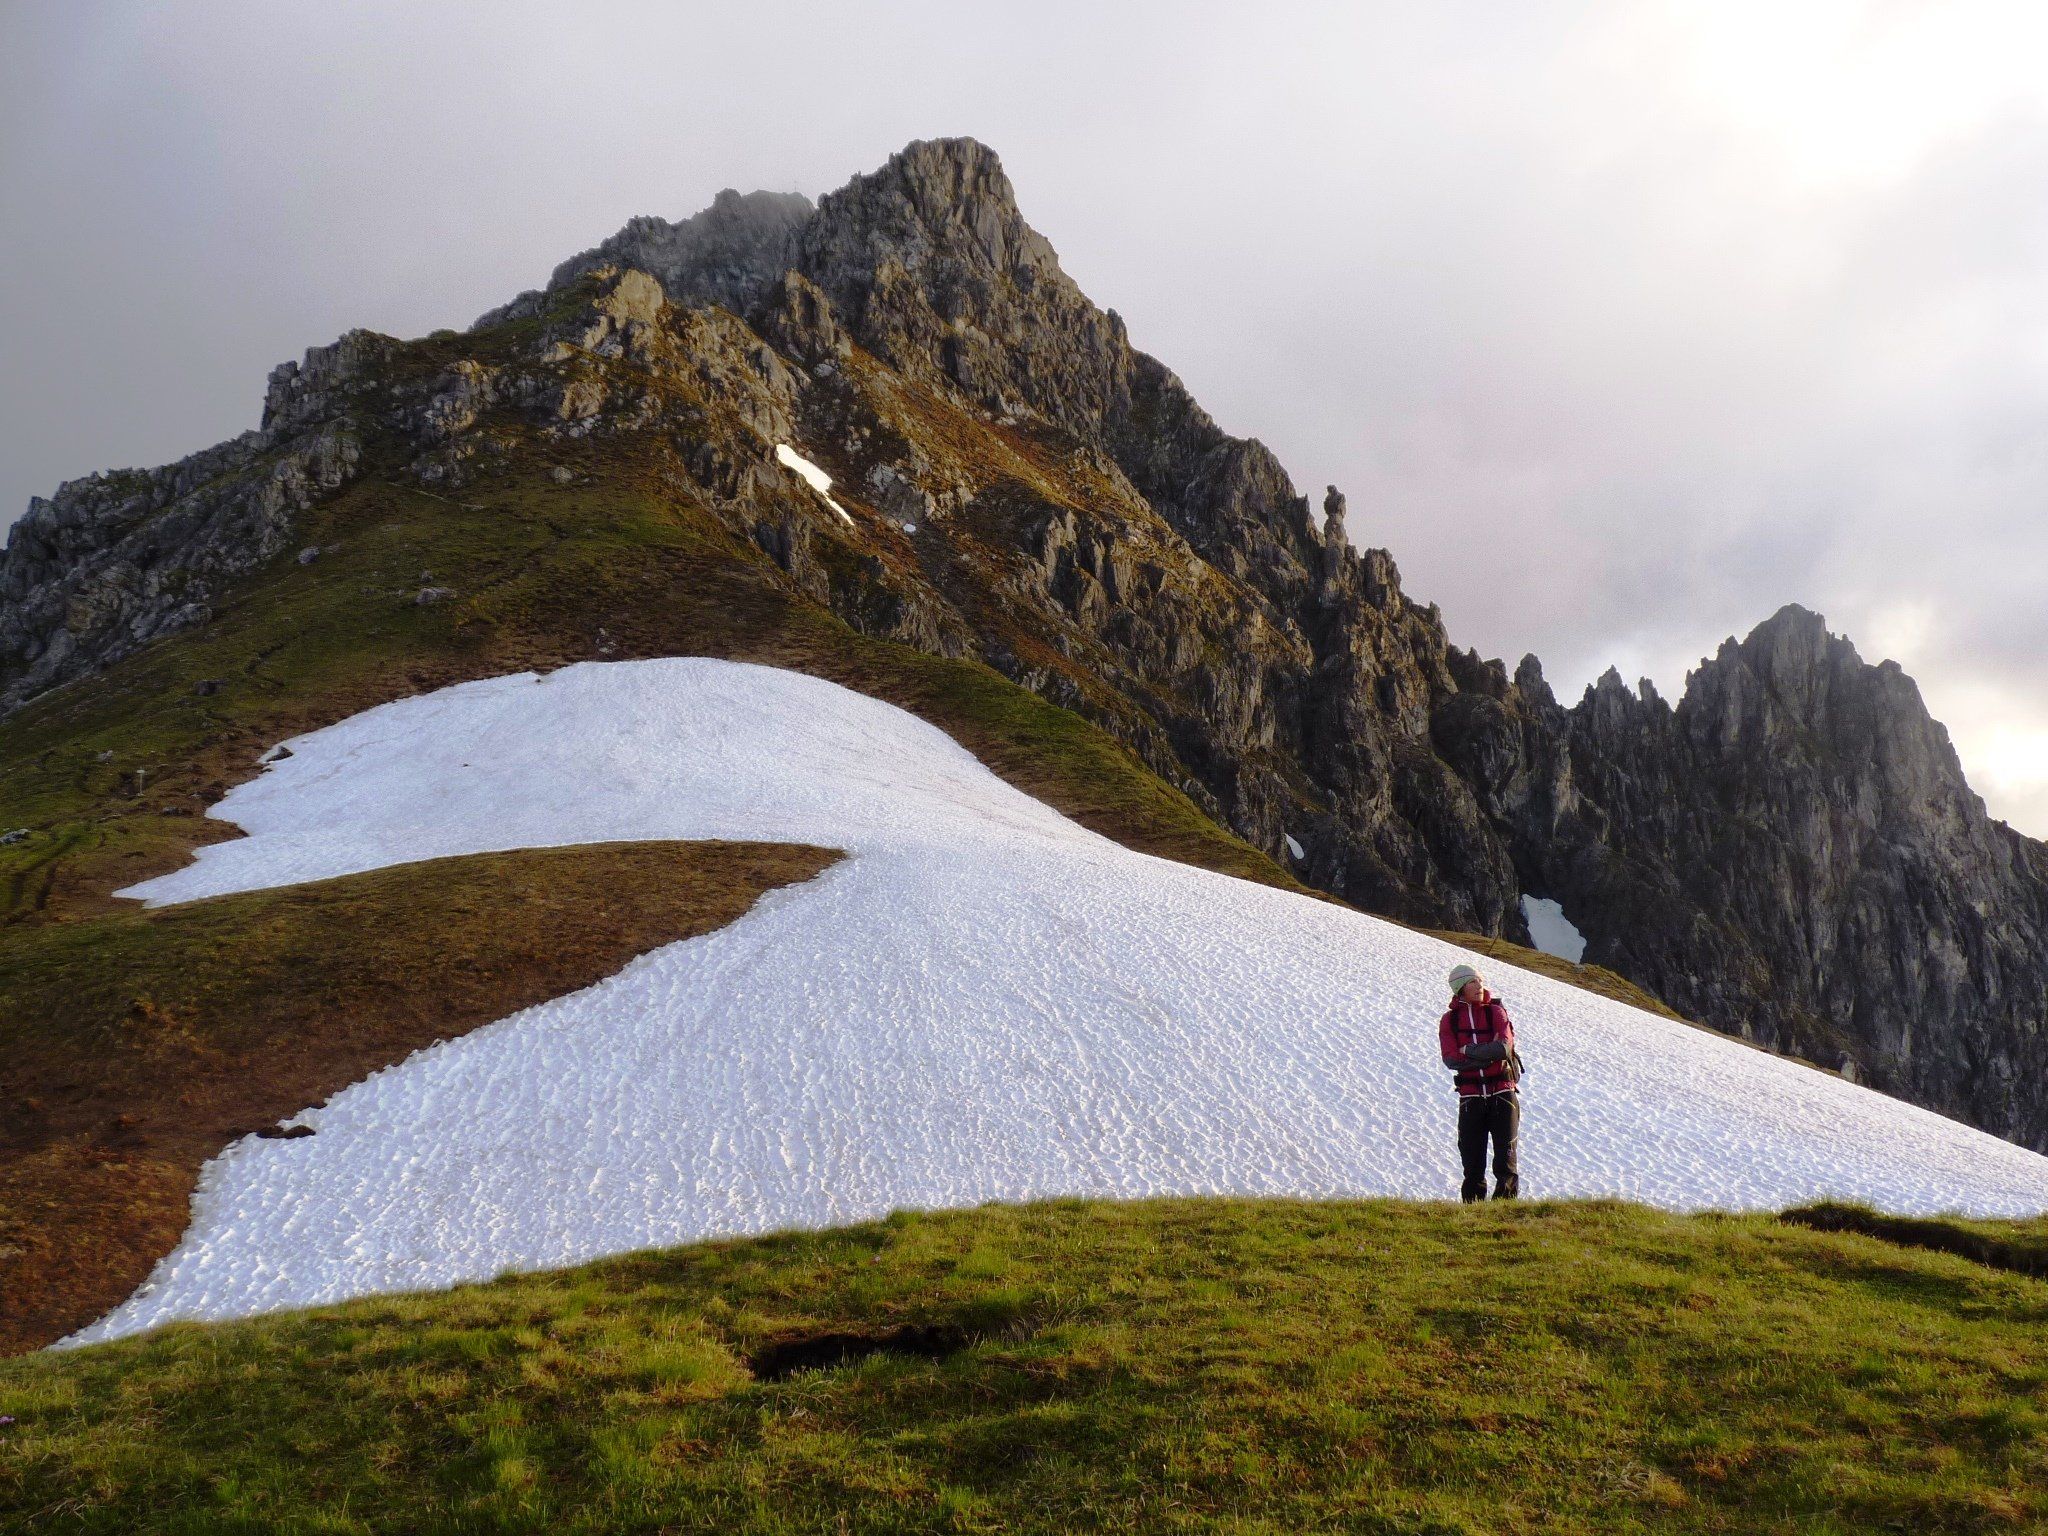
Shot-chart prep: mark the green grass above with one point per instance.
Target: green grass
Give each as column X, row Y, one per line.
column 1173, row 1365
column 2020, row 1246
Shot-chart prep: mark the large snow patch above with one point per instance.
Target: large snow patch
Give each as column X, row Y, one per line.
column 814, row 477
column 983, row 1002
column 1551, row 931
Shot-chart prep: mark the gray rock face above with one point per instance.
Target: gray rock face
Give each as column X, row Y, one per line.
column 114, row 561
column 1286, row 681
column 1790, row 853
column 725, row 255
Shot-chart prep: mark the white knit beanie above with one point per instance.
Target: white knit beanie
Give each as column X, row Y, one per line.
column 1460, row 974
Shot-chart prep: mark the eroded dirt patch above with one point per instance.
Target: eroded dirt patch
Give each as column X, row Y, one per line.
column 785, row 1357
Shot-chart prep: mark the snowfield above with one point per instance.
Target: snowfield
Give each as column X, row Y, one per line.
column 1551, row 931
column 982, row 1002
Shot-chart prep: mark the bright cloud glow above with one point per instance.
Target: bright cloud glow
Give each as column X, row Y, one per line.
column 1834, row 92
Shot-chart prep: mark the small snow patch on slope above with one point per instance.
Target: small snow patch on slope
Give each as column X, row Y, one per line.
column 1551, row 931
column 983, row 1001
column 819, row 481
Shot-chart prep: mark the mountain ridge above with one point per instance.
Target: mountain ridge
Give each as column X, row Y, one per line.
column 1035, row 492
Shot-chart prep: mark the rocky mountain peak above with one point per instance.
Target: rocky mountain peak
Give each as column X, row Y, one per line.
column 1531, row 684
column 1792, row 624
column 932, row 267
column 940, row 216
column 937, row 200
column 1794, row 653
column 1793, row 691
column 725, row 254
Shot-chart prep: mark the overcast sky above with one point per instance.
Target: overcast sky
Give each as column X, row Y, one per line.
column 1621, row 325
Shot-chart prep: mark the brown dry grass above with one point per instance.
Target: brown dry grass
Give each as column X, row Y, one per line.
column 139, row 1044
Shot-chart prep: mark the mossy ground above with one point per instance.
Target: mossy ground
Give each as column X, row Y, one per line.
column 1173, row 1365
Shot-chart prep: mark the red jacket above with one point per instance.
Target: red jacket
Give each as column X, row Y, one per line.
column 1468, row 1024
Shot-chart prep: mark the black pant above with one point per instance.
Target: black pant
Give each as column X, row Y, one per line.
column 1500, row 1117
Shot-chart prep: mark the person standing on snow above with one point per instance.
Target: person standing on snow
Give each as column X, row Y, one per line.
column 1478, row 1043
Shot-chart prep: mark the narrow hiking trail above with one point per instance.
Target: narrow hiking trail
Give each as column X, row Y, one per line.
column 984, row 1001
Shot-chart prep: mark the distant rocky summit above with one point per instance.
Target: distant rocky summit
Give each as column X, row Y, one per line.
column 1792, row 852
column 1789, row 853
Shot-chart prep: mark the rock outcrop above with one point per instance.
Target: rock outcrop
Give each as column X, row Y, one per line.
column 1790, row 853
column 114, row 561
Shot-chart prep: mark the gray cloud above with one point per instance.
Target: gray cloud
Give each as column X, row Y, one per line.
column 1622, row 325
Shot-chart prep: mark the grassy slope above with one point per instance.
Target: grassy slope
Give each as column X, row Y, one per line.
column 544, row 574
column 139, row 1044
column 1174, row 1365
column 2020, row 1246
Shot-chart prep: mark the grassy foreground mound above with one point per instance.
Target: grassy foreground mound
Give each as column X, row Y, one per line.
column 1169, row 1365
